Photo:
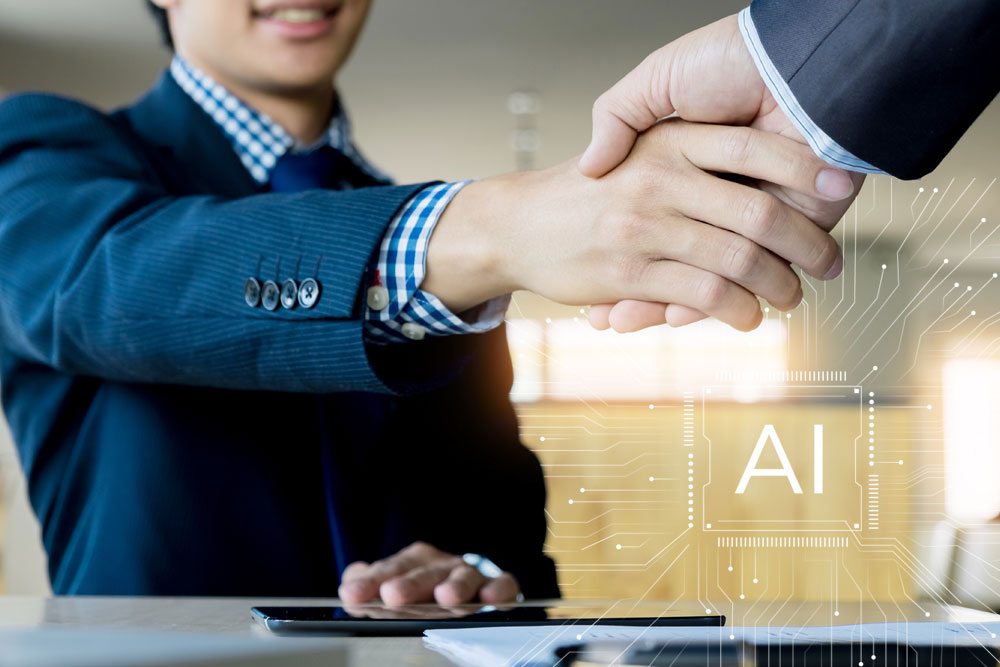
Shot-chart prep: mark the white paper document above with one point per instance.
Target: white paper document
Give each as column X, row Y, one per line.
column 535, row 646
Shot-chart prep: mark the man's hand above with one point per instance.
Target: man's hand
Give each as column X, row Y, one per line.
column 705, row 76
column 662, row 227
column 421, row 573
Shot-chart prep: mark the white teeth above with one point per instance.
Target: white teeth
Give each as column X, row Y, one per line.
column 298, row 15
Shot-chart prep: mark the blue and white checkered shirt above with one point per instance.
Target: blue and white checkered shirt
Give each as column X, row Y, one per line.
column 260, row 142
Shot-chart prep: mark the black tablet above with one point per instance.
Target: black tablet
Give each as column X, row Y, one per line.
column 412, row 620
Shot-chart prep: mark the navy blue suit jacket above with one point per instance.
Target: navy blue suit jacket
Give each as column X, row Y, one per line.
column 175, row 440
column 895, row 82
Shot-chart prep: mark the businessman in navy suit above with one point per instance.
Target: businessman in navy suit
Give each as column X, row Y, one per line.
column 237, row 360
column 872, row 86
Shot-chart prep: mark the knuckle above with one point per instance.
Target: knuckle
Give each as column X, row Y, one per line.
column 631, row 271
column 743, row 258
column 737, row 144
column 760, row 214
column 711, row 291
column 822, row 255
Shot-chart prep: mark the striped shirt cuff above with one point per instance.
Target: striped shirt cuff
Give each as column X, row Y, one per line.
column 822, row 144
column 402, row 264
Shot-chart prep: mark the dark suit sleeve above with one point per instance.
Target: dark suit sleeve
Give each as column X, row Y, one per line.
column 104, row 273
column 895, row 82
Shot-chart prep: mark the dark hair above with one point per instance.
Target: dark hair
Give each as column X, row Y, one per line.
column 160, row 15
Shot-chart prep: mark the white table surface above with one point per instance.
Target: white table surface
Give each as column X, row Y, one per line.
column 232, row 616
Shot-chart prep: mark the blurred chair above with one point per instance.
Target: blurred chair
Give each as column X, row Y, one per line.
column 962, row 565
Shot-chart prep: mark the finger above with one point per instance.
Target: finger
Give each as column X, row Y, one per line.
column 360, row 581
column 417, row 585
column 502, row 589
column 355, row 584
column 598, row 315
column 626, row 109
column 824, row 213
column 631, row 315
column 668, row 281
column 765, row 156
column 680, row 316
column 462, row 585
column 734, row 257
column 767, row 221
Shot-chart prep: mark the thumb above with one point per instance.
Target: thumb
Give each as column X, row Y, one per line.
column 632, row 105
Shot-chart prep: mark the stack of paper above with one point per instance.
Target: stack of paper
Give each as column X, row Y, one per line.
column 535, row 646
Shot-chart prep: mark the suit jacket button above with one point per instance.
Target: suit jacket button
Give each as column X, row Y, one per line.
column 378, row 297
column 308, row 293
column 289, row 294
column 251, row 292
column 269, row 295
column 414, row 331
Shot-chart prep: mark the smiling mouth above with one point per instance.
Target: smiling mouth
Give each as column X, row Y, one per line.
column 297, row 14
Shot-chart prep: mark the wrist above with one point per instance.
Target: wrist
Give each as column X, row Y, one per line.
column 467, row 255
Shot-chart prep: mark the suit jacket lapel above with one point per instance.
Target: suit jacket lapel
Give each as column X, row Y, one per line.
column 170, row 120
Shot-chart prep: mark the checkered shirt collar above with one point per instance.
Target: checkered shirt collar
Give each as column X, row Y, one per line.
column 258, row 140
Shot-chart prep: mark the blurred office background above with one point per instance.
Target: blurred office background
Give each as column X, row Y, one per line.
column 453, row 89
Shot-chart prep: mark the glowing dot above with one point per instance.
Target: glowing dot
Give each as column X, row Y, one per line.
column 690, row 494
column 871, row 393
column 920, row 190
column 708, row 611
column 871, row 401
column 956, row 284
column 861, row 663
column 730, row 568
column 755, row 580
column 690, row 486
column 570, row 501
column 945, row 260
column 581, row 311
column 732, row 636
column 968, row 288
column 767, row 310
column 927, row 614
column 884, row 267
column 874, row 368
column 542, row 438
column 576, row 319
column 548, row 320
column 579, row 637
column 690, row 502
column 690, row 456
column 690, row 471
column 871, row 409
column 994, row 275
column 982, row 219
column 856, row 526
column 690, row 517
column 650, row 479
column 871, row 439
column 871, row 456
column 690, row 479
column 583, row 490
column 973, row 313
column 900, row 461
column 836, row 613
column 742, row 596
column 651, row 406
column 618, row 546
column 690, row 525
column 871, row 463
column 788, row 316
column 873, row 656
column 871, row 448
column 993, row 635
column 871, row 432
column 929, row 406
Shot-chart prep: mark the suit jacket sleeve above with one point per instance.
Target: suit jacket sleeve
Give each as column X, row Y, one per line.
column 104, row 273
column 894, row 82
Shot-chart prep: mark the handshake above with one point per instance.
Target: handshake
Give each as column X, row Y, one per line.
column 693, row 199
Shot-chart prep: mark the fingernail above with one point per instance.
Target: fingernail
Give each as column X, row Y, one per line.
column 834, row 184
column 838, row 266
